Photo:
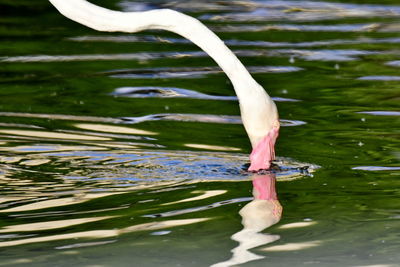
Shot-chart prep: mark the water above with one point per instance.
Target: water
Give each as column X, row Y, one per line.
column 128, row 150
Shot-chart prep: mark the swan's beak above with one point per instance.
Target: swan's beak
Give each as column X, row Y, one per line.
column 264, row 152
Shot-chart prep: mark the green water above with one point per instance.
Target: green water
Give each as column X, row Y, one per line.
column 106, row 158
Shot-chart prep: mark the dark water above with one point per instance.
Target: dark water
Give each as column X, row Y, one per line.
column 128, row 150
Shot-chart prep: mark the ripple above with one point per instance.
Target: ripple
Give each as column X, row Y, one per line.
column 200, row 208
column 253, row 28
column 185, row 72
column 141, row 57
column 365, row 27
column 53, row 135
column 273, row 69
column 128, row 39
column 103, row 233
column 70, row 58
column 133, row 167
column 293, row 246
column 204, row 195
column 145, row 57
column 381, row 113
column 50, row 203
column 160, row 233
column 206, row 118
column 211, row 147
column 19, row 125
column 297, row 225
column 259, row 11
column 312, row 43
column 271, row 10
column 196, row 72
column 379, row 78
column 113, row 129
column 40, row 226
column 131, row 6
column 286, row 123
column 59, row 117
column 173, row 92
column 284, row 99
column 35, row 162
column 310, row 55
column 165, row 92
column 86, row 244
column 395, row 63
column 40, row 148
column 324, row 55
column 163, row 73
column 68, row 135
column 376, row 168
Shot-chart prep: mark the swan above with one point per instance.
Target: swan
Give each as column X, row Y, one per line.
column 258, row 111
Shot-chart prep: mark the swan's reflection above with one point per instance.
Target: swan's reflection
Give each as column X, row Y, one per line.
column 262, row 212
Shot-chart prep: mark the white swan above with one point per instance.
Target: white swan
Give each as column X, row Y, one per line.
column 258, row 111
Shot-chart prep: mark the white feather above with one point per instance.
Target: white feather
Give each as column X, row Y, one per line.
column 258, row 111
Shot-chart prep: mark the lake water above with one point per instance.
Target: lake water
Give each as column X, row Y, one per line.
column 128, row 150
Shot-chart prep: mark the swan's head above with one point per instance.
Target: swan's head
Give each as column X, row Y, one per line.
column 264, row 152
column 261, row 122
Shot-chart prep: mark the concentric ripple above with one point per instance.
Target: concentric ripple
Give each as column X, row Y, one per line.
column 121, row 168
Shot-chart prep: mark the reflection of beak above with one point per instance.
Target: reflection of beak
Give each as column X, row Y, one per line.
column 264, row 187
column 264, row 211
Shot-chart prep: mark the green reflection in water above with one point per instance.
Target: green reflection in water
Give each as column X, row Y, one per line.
column 348, row 209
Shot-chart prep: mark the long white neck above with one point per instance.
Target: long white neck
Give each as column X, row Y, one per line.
column 249, row 92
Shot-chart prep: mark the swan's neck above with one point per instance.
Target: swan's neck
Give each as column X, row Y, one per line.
column 258, row 111
column 103, row 19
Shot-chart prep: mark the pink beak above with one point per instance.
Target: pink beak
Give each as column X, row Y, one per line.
column 264, row 153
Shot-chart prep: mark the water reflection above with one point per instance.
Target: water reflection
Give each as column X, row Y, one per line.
column 272, row 10
column 165, row 92
column 262, row 212
column 207, row 118
column 95, row 234
column 172, row 92
column 193, row 72
column 380, row 78
column 363, row 27
column 85, row 208
column 38, row 205
column 47, row 225
column 324, row 54
column 302, row 11
column 394, row 63
column 53, row 135
column 381, row 113
column 112, row 129
column 260, row 43
column 71, row 178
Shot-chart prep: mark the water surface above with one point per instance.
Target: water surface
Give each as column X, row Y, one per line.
column 121, row 150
